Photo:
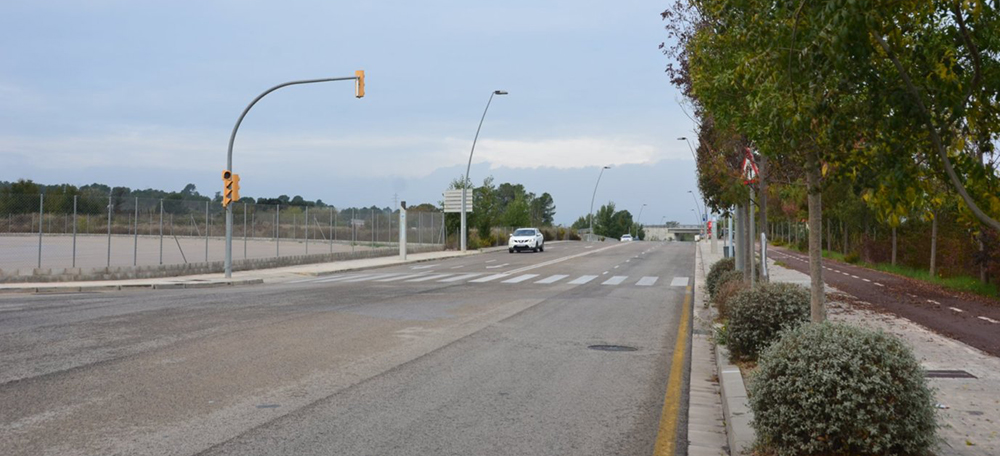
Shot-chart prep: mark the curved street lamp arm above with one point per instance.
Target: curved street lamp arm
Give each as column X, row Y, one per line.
column 469, row 166
column 232, row 137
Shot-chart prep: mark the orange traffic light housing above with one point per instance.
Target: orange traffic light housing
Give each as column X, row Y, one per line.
column 230, row 188
column 359, row 83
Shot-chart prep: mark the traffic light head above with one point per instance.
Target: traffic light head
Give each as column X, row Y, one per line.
column 230, row 188
column 359, row 83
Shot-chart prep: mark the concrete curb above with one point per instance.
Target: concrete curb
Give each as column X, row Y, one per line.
column 735, row 409
column 131, row 286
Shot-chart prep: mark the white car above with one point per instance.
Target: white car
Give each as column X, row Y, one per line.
column 626, row 238
column 526, row 239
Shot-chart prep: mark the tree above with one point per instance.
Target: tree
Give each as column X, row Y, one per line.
column 543, row 210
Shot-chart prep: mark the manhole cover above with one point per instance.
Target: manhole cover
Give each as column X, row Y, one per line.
column 613, row 348
column 948, row 374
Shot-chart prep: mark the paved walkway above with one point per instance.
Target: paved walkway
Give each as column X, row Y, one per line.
column 968, row 408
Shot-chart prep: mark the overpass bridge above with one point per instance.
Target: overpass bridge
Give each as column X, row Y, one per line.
column 671, row 233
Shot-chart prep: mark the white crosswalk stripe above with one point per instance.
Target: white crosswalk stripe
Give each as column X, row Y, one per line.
column 582, row 280
column 430, row 277
column 615, row 280
column 404, row 277
column 553, row 279
column 647, row 281
column 338, row 278
column 488, row 278
column 373, row 277
column 520, row 279
column 460, row 278
column 679, row 282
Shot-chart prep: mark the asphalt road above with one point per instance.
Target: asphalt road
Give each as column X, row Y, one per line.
column 972, row 319
column 486, row 354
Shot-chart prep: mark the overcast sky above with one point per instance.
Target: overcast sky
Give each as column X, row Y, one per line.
column 145, row 94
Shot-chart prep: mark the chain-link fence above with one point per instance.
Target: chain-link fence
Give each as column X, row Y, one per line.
column 66, row 231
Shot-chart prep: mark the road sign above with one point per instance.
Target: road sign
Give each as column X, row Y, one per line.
column 358, row 222
column 453, row 200
column 749, row 168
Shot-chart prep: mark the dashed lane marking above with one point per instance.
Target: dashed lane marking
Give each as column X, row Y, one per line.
column 988, row 319
column 867, row 280
column 498, row 266
column 934, row 302
column 879, row 284
column 956, row 309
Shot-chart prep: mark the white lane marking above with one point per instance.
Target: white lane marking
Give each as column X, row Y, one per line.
column 934, row 302
column 560, row 260
column 342, row 277
column 866, row 280
column 553, row 279
column 604, row 273
column 457, row 267
column 628, row 260
column 956, row 309
column 614, row 280
column 489, row 278
column 616, row 267
column 521, row 278
column 879, row 284
column 855, row 277
column 460, row 277
column 836, row 270
column 408, row 276
column 679, row 282
column 989, row 320
column 911, row 295
column 376, row 276
column 582, row 280
column 498, row 266
column 589, row 247
column 490, row 261
column 844, row 273
column 422, row 267
column 430, row 277
column 647, row 281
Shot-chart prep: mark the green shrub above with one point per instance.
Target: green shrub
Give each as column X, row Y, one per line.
column 715, row 272
column 726, row 291
column 573, row 235
column 757, row 316
column 838, row 389
column 852, row 258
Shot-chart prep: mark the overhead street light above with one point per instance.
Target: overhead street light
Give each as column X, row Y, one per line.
column 639, row 219
column 592, row 201
column 359, row 91
column 465, row 181
column 703, row 216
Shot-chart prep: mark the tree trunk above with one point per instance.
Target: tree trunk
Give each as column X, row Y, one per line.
column 747, row 244
column 982, row 265
column 752, row 238
column 934, row 229
column 738, row 239
column 893, row 245
column 843, row 231
column 815, row 200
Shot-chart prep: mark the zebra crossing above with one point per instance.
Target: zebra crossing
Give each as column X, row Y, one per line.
column 478, row 278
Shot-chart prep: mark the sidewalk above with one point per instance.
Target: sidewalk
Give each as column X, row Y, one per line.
column 239, row 277
column 969, row 408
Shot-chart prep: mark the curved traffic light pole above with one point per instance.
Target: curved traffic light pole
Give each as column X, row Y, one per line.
column 359, row 92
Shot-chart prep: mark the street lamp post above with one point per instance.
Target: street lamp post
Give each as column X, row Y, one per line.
column 592, row 201
column 702, row 216
column 638, row 220
column 465, row 181
column 695, row 157
column 359, row 76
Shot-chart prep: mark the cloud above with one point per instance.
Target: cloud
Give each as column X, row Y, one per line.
column 567, row 153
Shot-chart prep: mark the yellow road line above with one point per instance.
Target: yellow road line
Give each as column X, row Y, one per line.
column 666, row 437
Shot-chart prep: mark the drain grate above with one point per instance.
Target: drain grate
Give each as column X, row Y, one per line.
column 948, row 374
column 613, row 348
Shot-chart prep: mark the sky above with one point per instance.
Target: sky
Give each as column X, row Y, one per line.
column 145, row 94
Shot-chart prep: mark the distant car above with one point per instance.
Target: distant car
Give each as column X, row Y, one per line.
column 627, row 238
column 526, row 239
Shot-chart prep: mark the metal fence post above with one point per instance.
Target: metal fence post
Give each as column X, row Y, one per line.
column 41, row 216
column 206, row 230
column 74, row 230
column 332, row 232
column 244, row 231
column 135, row 242
column 161, row 231
column 277, row 230
column 354, row 229
column 374, row 226
column 109, row 230
column 307, row 230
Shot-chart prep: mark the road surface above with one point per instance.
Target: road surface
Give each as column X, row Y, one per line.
column 486, row 354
